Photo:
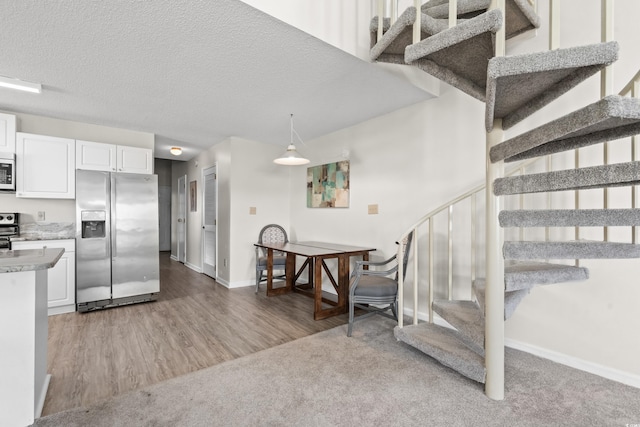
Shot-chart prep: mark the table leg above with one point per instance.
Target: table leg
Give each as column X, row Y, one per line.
column 269, row 271
column 343, row 282
column 317, row 284
column 290, row 271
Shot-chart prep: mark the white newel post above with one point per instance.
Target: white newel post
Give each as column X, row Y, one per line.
column 494, row 298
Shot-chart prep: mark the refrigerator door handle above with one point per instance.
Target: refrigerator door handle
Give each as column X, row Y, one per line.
column 114, row 246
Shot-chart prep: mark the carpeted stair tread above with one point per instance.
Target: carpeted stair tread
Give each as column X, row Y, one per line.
column 467, row 318
column 608, row 119
column 518, row 86
column 459, row 55
column 570, row 218
column 579, row 249
column 396, row 37
column 511, row 298
column 614, row 175
column 519, row 275
column 520, row 16
column 443, row 345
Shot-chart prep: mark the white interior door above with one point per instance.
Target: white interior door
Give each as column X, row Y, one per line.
column 209, row 215
column 182, row 219
column 164, row 217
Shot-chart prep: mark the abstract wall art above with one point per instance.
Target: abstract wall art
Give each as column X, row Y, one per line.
column 328, row 185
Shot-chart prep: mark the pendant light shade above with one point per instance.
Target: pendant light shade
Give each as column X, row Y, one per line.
column 291, row 157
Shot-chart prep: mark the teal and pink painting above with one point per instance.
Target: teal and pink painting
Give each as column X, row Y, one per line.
column 328, row 185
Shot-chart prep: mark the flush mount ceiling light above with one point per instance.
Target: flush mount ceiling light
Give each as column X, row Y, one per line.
column 20, row 85
column 291, row 157
column 176, row 151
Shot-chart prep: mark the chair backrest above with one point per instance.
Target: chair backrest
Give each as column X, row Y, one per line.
column 272, row 233
column 405, row 245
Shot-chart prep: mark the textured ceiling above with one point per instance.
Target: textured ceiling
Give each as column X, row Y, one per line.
column 191, row 72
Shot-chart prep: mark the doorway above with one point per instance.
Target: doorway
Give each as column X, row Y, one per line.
column 209, row 221
column 181, row 227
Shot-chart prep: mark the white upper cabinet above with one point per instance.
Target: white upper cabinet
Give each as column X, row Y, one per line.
column 7, row 133
column 134, row 159
column 95, row 156
column 113, row 158
column 45, row 166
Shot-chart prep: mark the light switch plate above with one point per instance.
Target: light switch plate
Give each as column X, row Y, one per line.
column 373, row 209
column 252, row 210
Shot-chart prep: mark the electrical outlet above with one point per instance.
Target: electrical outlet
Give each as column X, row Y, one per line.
column 224, row 262
column 252, row 210
column 373, row 209
column 41, row 215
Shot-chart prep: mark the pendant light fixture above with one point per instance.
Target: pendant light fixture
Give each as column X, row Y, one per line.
column 291, row 157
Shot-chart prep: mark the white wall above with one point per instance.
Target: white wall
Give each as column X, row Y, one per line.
column 65, row 210
column 247, row 177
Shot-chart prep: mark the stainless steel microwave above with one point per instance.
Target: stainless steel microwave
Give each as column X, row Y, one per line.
column 8, row 171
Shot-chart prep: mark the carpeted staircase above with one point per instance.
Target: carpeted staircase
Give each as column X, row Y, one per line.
column 514, row 87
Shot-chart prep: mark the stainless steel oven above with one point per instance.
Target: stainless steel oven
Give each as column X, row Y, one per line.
column 9, row 227
column 7, row 171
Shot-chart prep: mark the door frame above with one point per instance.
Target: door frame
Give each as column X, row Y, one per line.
column 182, row 203
column 206, row 171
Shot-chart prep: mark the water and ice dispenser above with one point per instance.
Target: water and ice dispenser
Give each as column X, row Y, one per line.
column 93, row 224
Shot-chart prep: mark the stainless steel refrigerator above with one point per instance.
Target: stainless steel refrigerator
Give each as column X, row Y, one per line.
column 116, row 239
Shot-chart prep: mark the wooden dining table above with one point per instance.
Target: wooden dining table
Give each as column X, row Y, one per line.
column 315, row 254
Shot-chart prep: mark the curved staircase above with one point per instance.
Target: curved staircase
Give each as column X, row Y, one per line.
column 513, row 88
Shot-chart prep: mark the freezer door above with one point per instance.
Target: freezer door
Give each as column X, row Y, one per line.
column 134, row 235
column 93, row 244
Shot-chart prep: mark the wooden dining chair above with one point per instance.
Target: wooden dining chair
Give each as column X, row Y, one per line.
column 272, row 233
column 377, row 287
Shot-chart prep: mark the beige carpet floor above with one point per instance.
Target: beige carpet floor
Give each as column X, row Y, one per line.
column 370, row 379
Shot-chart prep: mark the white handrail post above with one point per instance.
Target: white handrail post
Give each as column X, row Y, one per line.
column 635, row 93
column 494, row 298
column 380, row 18
column 417, row 25
column 453, row 13
column 554, row 24
column 431, row 266
column 414, row 243
column 400, row 308
column 450, row 254
column 606, row 87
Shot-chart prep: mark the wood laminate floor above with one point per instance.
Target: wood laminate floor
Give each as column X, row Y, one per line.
column 196, row 323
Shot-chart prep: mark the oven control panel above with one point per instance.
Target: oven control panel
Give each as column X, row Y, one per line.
column 8, row 218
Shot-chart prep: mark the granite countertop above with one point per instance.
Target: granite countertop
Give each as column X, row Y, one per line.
column 12, row 261
column 46, row 231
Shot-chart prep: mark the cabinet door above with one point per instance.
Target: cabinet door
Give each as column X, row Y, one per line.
column 135, row 160
column 45, row 166
column 7, row 133
column 61, row 280
column 95, row 156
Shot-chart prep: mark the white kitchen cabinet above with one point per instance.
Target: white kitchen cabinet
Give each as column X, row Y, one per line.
column 134, row 159
column 7, row 133
column 113, row 158
column 95, row 156
column 62, row 277
column 45, row 166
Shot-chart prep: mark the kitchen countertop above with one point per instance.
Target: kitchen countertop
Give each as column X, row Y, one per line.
column 12, row 261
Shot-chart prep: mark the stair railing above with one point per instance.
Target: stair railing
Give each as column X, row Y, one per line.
column 632, row 89
column 429, row 219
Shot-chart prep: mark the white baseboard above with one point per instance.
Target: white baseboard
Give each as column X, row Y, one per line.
column 173, row 257
column 51, row 311
column 193, row 267
column 607, row 372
